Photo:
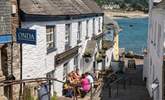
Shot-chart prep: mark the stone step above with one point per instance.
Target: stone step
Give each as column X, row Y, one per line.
column 64, row 98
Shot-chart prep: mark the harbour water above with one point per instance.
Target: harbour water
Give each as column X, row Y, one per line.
column 133, row 36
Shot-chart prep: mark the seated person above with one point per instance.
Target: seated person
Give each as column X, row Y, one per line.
column 67, row 90
column 77, row 73
column 90, row 78
column 70, row 78
column 76, row 76
column 85, row 85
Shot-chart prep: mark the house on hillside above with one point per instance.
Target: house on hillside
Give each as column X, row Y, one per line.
column 69, row 36
column 154, row 64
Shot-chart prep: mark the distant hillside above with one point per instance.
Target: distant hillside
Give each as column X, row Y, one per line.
column 131, row 5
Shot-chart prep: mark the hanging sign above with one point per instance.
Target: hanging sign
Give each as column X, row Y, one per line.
column 5, row 38
column 26, row 36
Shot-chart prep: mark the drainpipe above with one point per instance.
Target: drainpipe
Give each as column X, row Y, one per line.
column 19, row 25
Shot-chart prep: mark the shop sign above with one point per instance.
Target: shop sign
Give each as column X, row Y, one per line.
column 5, row 38
column 26, row 36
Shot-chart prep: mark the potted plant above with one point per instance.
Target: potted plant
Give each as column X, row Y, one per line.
column 130, row 54
column 99, row 57
column 103, row 53
column 87, row 53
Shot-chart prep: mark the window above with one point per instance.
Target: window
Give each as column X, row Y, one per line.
column 65, row 71
column 87, row 30
column 76, row 60
column 99, row 25
column 93, row 26
column 50, row 37
column 79, row 33
column 67, row 36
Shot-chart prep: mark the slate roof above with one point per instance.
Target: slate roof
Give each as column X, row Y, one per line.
column 59, row 7
column 161, row 4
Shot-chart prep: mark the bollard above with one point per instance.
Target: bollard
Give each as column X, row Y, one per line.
column 130, row 81
column 75, row 94
column 110, row 91
column 117, row 88
column 124, row 84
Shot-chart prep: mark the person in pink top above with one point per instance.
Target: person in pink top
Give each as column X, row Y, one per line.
column 85, row 85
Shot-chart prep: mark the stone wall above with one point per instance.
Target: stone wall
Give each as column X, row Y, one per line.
column 10, row 57
column 5, row 13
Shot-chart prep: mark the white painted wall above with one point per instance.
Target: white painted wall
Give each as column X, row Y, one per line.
column 37, row 63
column 154, row 66
column 109, row 54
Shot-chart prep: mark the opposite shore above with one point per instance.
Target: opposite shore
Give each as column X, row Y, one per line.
column 125, row 14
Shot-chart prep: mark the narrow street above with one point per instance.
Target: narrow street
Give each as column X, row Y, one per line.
column 135, row 90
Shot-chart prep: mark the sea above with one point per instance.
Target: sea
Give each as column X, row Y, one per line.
column 133, row 36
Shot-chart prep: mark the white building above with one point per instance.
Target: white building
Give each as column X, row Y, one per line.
column 153, row 64
column 66, row 30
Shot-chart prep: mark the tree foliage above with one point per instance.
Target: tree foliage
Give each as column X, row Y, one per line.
column 125, row 4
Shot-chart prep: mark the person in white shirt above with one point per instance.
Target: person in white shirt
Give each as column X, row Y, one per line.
column 90, row 78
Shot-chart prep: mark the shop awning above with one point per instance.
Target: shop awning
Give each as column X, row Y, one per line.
column 65, row 56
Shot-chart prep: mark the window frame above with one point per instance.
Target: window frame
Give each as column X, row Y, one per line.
column 52, row 31
column 99, row 22
column 94, row 26
column 87, row 29
column 79, row 32
column 67, row 35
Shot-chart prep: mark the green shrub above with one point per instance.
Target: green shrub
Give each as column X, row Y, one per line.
column 53, row 98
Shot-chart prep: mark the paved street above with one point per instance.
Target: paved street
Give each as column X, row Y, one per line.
column 134, row 91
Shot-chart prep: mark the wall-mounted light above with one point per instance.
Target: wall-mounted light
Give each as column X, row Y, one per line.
column 155, row 85
column 14, row 9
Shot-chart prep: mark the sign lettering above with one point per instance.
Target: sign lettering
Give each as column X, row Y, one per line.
column 26, row 36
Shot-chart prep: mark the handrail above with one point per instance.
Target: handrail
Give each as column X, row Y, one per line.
column 12, row 82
